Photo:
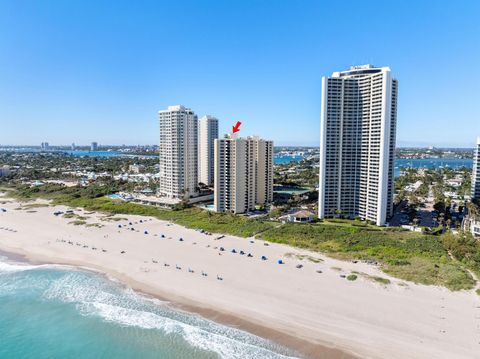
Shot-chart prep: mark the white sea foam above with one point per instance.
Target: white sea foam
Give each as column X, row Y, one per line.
column 94, row 296
column 13, row 267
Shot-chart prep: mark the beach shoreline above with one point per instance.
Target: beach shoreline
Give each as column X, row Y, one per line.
column 304, row 348
column 319, row 314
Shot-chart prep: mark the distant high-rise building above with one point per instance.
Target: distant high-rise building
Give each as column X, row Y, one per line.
column 45, row 146
column 178, row 152
column 243, row 175
column 476, row 173
column 73, row 147
column 357, row 144
column 207, row 134
column 94, row 147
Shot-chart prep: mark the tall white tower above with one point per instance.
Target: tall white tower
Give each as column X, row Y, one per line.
column 476, row 172
column 357, row 143
column 178, row 152
column 243, row 174
column 207, row 134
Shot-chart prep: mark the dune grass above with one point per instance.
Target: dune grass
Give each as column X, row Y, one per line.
column 190, row 217
column 406, row 255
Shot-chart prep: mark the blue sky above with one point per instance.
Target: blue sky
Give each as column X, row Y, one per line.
column 82, row 71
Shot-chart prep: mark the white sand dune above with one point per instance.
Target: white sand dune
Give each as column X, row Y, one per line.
column 321, row 314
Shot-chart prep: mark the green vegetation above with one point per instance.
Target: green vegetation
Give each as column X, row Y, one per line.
column 77, row 223
column 304, row 257
column 465, row 249
column 381, row 280
column 478, row 291
column 92, row 198
column 410, row 256
column 352, row 277
column 97, row 225
column 434, row 260
column 35, row 205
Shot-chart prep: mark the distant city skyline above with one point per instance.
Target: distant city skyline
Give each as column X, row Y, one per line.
column 65, row 82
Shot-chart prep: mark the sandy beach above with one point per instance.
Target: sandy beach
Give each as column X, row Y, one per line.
column 313, row 309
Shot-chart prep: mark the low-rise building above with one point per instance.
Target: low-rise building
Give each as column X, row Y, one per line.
column 136, row 168
column 5, row 171
column 302, row 216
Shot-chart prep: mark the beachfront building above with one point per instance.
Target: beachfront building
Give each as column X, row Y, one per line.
column 178, row 152
column 94, row 147
column 243, row 173
column 207, row 134
column 476, row 173
column 357, row 144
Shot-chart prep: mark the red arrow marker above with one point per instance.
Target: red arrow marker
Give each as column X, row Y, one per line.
column 236, row 128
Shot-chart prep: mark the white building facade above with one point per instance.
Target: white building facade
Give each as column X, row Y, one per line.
column 178, row 152
column 207, row 134
column 243, row 174
column 357, row 144
column 476, row 173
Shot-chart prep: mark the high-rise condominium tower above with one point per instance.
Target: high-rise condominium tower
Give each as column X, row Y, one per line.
column 178, row 152
column 476, row 173
column 243, row 173
column 94, row 146
column 207, row 134
column 357, row 143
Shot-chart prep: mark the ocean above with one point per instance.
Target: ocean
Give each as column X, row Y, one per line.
column 49, row 311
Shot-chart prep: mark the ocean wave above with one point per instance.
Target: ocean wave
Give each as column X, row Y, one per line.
column 234, row 346
column 13, row 267
column 124, row 307
column 93, row 294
